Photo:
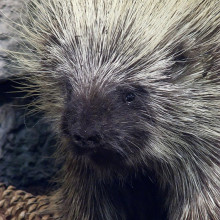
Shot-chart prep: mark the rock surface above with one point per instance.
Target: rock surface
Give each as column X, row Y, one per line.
column 26, row 143
column 8, row 10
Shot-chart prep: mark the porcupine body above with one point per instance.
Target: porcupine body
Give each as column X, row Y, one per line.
column 132, row 90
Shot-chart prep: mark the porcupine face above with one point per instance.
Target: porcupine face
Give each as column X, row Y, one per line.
column 105, row 125
column 106, row 54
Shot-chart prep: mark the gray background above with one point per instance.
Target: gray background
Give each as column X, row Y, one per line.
column 26, row 143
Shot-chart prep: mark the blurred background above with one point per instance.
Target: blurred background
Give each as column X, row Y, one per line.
column 26, row 144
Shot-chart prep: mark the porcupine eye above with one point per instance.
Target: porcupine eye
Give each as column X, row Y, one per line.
column 129, row 97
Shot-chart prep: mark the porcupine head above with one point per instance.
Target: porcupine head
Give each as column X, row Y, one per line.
column 128, row 85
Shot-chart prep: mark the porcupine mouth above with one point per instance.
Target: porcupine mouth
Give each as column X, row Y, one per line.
column 100, row 156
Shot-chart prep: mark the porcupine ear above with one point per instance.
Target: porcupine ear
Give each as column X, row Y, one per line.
column 183, row 53
column 202, row 58
column 181, row 57
column 186, row 60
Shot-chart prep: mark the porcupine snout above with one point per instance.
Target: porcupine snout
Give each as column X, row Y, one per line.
column 84, row 124
column 104, row 123
column 87, row 140
column 88, row 121
column 87, row 132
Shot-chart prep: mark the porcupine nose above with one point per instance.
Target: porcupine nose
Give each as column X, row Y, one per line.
column 87, row 133
column 87, row 141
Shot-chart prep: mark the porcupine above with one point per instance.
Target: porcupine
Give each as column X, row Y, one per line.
column 132, row 90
